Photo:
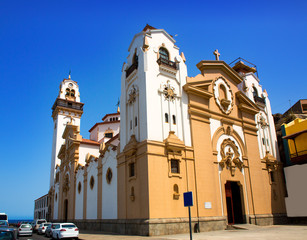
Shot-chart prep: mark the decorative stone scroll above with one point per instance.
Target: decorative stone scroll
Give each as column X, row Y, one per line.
column 169, row 92
column 132, row 95
column 270, row 161
column 262, row 122
column 231, row 157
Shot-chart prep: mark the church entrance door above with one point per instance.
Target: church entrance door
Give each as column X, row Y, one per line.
column 65, row 210
column 233, row 202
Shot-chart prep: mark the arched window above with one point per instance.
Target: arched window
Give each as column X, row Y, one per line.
column 132, row 196
column 109, row 175
column 176, row 189
column 92, row 182
column 166, row 117
column 135, row 59
column 67, row 92
column 79, row 187
column 255, row 92
column 163, row 53
column 72, row 93
column 174, row 119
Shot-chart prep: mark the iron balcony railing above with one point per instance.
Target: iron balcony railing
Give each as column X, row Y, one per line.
column 167, row 62
column 300, row 153
column 132, row 68
column 68, row 104
column 259, row 100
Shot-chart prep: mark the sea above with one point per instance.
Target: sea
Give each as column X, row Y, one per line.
column 14, row 221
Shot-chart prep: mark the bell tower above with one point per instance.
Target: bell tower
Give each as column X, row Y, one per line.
column 153, row 102
column 155, row 135
column 67, row 108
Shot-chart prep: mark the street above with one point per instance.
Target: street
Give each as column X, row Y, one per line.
column 35, row 236
column 250, row 232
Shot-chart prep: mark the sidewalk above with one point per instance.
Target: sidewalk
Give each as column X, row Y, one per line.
column 252, row 232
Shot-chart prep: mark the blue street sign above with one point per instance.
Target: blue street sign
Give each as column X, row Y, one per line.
column 188, row 199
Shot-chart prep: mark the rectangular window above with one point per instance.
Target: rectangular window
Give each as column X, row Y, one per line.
column 131, row 170
column 130, row 124
column 175, row 166
column 108, row 135
column 263, row 141
column 272, row 177
column 136, row 121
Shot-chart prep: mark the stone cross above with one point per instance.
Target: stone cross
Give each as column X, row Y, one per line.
column 217, row 55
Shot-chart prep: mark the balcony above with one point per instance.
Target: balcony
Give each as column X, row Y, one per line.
column 166, row 62
column 259, row 100
column 133, row 67
column 68, row 104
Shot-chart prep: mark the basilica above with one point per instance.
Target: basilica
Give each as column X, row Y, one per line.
column 211, row 134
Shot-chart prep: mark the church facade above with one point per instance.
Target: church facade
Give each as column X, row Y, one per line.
column 212, row 134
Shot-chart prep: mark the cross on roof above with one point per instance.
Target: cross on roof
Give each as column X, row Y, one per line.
column 217, row 55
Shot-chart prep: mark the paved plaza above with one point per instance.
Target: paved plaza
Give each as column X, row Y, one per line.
column 244, row 232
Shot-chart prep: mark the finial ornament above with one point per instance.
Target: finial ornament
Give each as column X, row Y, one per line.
column 217, row 55
column 118, row 104
column 69, row 74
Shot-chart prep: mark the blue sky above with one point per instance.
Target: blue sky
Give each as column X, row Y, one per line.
column 40, row 41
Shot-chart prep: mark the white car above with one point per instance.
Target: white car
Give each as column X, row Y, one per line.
column 42, row 228
column 65, row 230
column 36, row 224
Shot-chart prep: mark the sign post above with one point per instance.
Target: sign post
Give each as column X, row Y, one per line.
column 188, row 202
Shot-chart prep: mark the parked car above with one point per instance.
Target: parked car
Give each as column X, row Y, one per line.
column 50, row 229
column 25, row 229
column 8, row 233
column 65, row 230
column 42, row 228
column 36, row 224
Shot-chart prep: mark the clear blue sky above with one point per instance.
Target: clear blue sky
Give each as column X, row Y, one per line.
column 40, row 41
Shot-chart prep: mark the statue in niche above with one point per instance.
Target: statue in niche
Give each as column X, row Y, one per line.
column 231, row 158
column 223, row 97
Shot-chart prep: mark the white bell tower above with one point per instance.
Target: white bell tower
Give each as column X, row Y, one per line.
column 67, row 108
column 153, row 102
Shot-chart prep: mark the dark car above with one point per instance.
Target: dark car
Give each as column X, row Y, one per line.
column 8, row 234
column 4, row 224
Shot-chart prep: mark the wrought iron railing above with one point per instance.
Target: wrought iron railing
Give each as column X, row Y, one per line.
column 167, row 62
column 63, row 103
column 131, row 68
column 259, row 100
column 300, row 153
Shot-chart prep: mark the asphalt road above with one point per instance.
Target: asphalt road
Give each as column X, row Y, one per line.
column 35, row 236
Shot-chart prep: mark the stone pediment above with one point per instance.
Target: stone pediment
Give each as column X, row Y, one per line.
column 200, row 88
column 173, row 143
column 131, row 147
column 72, row 131
column 206, row 66
column 245, row 104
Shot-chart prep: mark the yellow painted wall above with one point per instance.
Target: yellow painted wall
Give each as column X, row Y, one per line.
column 301, row 141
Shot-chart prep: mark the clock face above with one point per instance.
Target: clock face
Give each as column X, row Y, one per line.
column 70, row 85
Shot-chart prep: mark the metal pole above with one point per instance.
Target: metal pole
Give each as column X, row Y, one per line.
column 190, row 223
